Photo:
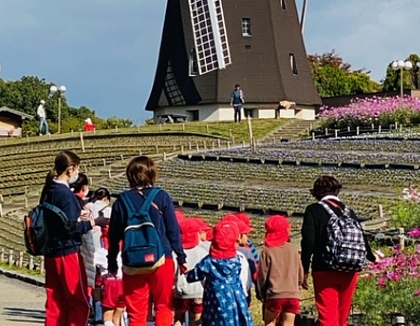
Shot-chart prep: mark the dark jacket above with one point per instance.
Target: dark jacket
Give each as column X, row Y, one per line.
column 166, row 225
column 61, row 242
column 314, row 237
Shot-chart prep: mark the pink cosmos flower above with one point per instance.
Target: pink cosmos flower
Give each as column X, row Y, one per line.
column 414, row 233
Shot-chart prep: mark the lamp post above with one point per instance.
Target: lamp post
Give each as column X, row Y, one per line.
column 402, row 65
column 61, row 90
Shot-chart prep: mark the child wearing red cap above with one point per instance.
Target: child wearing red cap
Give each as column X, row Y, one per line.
column 251, row 267
column 206, row 233
column 249, row 244
column 224, row 299
column 278, row 287
column 189, row 296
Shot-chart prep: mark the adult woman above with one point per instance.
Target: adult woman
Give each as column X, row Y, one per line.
column 141, row 174
column 65, row 275
column 334, row 290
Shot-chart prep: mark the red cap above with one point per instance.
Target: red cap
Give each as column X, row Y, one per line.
column 245, row 218
column 204, row 227
column 179, row 216
column 226, row 235
column 277, row 229
column 243, row 228
column 189, row 233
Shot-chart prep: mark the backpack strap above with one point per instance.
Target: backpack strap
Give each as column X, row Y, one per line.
column 55, row 210
column 327, row 207
column 128, row 205
column 148, row 202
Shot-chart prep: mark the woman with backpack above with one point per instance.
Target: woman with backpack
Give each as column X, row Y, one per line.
column 65, row 274
column 146, row 209
column 336, row 263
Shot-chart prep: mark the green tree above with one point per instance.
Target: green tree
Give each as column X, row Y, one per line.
column 392, row 80
column 334, row 77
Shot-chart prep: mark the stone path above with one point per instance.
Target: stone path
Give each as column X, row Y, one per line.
column 21, row 303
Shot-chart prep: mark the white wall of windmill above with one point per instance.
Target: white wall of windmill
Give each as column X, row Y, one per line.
column 299, row 112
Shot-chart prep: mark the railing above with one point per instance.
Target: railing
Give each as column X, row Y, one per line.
column 22, row 260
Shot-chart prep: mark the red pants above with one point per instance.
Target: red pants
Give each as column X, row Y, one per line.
column 333, row 296
column 159, row 285
column 66, row 284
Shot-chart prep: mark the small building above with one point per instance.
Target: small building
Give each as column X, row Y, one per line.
column 11, row 122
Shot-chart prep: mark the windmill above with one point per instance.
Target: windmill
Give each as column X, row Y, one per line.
column 210, row 45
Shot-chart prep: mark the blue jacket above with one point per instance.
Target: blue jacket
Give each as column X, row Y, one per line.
column 166, row 225
column 61, row 243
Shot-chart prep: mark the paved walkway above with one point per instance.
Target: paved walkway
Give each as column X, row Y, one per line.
column 21, row 303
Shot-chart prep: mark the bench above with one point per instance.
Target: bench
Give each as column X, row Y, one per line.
column 171, row 118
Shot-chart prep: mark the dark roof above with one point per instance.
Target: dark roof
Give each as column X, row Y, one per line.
column 16, row 112
column 260, row 63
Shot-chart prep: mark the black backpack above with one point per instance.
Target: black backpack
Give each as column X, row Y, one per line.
column 37, row 238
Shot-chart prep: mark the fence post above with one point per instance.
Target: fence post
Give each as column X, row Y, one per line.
column 122, row 157
column 381, row 211
column 326, row 131
column 82, row 142
column 104, row 160
column 313, row 136
column 402, row 238
column 373, row 126
column 197, row 148
column 401, row 127
column 218, row 142
column 183, row 127
column 31, row 263
column 205, row 145
column 2, row 255
column 157, row 149
column 90, row 180
column 20, row 264
column 357, row 130
column 164, row 156
column 42, row 265
column 1, row 210
column 189, row 145
column 336, row 133
column 26, row 202
column 379, row 129
column 228, row 145
column 212, row 145
column 182, row 149
column 348, row 128
column 207, row 128
column 396, row 125
column 109, row 174
column 10, row 260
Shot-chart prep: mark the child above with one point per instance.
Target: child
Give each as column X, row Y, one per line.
column 251, row 270
column 112, row 297
column 249, row 244
column 205, row 231
column 280, row 273
column 189, row 296
column 224, row 299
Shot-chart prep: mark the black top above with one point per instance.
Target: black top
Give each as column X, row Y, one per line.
column 314, row 236
column 61, row 243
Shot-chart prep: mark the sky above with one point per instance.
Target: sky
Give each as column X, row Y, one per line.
column 105, row 51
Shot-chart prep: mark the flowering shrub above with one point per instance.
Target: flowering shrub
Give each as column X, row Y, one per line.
column 391, row 286
column 381, row 111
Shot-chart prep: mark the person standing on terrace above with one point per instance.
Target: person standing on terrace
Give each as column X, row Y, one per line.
column 237, row 100
column 334, row 287
column 40, row 112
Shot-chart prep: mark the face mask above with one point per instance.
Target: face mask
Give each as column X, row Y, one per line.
column 73, row 178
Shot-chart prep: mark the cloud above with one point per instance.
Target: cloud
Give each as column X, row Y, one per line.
column 366, row 33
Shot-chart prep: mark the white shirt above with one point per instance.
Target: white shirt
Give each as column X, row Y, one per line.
column 41, row 111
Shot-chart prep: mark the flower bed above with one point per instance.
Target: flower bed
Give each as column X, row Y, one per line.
column 381, row 111
column 389, row 287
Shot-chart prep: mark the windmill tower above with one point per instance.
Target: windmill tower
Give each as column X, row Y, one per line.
column 208, row 46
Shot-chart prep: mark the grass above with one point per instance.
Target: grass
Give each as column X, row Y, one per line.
column 261, row 128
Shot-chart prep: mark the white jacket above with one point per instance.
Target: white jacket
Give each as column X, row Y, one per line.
column 87, row 250
column 183, row 289
column 41, row 111
column 98, row 207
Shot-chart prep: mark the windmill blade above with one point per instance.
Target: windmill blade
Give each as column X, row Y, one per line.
column 210, row 37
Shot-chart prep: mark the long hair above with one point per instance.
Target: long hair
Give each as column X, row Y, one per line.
column 64, row 160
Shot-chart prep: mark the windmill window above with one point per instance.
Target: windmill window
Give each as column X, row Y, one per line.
column 193, row 63
column 246, row 27
column 283, row 4
column 293, row 65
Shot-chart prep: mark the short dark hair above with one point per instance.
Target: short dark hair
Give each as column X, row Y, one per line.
column 324, row 186
column 237, row 85
column 141, row 172
column 100, row 194
column 82, row 181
